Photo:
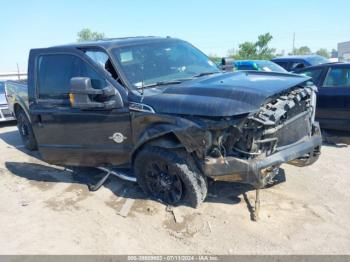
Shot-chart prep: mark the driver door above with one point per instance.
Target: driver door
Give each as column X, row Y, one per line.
column 72, row 136
column 333, row 101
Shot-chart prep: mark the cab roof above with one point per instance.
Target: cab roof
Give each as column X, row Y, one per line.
column 115, row 42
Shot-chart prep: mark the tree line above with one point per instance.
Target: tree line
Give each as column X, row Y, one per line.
column 260, row 50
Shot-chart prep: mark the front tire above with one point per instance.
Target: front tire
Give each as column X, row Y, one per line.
column 26, row 131
column 169, row 178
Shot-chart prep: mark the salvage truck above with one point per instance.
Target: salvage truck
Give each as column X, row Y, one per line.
column 160, row 112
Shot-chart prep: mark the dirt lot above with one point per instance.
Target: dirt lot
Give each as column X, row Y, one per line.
column 47, row 210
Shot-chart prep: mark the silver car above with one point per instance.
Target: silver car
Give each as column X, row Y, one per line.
column 5, row 113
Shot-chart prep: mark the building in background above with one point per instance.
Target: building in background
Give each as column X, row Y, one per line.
column 344, row 51
column 13, row 75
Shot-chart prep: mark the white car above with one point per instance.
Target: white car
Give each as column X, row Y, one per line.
column 5, row 113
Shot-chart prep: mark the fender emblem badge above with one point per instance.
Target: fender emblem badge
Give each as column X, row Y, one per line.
column 118, row 137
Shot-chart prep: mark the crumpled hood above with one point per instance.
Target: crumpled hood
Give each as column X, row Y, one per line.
column 224, row 94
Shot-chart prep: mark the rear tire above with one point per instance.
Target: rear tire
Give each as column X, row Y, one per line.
column 169, row 178
column 26, row 131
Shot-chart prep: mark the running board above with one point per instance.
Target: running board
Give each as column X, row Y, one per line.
column 118, row 174
column 109, row 172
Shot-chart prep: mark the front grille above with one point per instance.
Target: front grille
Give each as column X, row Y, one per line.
column 294, row 131
column 6, row 113
column 279, row 123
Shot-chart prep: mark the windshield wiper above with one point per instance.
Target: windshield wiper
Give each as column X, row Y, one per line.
column 162, row 83
column 206, row 73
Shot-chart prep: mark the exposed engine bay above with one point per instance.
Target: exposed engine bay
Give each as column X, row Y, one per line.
column 280, row 124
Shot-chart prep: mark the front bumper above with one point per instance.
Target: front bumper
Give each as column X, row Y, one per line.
column 5, row 114
column 257, row 172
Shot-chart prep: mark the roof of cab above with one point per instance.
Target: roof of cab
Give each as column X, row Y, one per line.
column 251, row 61
column 114, row 42
column 294, row 57
column 331, row 64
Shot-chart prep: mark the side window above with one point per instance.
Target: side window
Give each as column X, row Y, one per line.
column 283, row 64
column 102, row 59
column 337, row 77
column 56, row 71
column 99, row 57
column 314, row 74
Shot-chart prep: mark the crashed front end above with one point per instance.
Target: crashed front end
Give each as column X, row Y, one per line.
column 250, row 149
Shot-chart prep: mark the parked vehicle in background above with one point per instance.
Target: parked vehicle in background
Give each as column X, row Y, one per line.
column 258, row 65
column 5, row 113
column 333, row 98
column 292, row 63
column 160, row 109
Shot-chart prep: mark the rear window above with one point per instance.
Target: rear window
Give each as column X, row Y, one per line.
column 317, row 60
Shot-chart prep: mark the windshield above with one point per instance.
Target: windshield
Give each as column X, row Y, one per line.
column 2, row 87
column 269, row 66
column 259, row 65
column 161, row 62
column 317, row 60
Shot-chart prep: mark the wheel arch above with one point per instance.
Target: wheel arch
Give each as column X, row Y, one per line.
column 167, row 141
column 17, row 107
column 168, row 132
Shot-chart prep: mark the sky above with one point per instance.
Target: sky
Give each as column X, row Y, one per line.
column 212, row 26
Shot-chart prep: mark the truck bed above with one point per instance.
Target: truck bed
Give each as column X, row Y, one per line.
column 16, row 93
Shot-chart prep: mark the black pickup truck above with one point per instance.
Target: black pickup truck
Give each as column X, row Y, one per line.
column 160, row 109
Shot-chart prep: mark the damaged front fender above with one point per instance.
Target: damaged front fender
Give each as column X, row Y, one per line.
column 168, row 131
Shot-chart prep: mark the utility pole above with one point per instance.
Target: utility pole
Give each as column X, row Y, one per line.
column 19, row 77
column 293, row 51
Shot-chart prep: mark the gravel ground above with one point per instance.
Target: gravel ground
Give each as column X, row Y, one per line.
column 45, row 209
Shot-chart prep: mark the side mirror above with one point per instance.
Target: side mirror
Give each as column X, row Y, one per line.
column 227, row 63
column 81, row 95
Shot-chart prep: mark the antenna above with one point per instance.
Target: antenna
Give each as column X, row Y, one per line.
column 142, row 82
column 142, row 87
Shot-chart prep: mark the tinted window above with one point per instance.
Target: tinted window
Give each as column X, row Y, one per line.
column 314, row 74
column 338, row 77
column 282, row 64
column 56, row 71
